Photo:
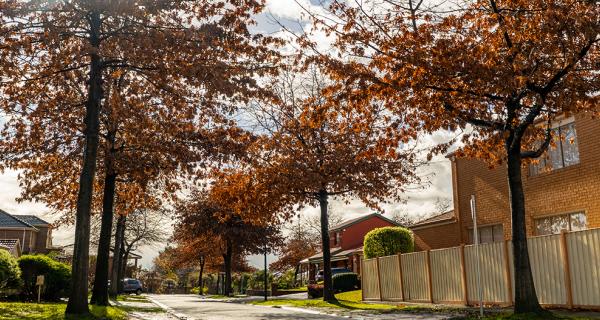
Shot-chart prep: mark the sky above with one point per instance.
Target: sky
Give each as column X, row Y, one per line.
column 419, row 202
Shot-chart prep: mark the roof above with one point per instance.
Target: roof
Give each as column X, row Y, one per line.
column 32, row 220
column 10, row 221
column 443, row 217
column 9, row 244
column 336, row 254
column 346, row 223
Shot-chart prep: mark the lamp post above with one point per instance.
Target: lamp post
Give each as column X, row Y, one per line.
column 478, row 264
column 265, row 280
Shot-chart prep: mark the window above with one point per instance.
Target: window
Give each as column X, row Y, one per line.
column 555, row 224
column 488, row 234
column 563, row 153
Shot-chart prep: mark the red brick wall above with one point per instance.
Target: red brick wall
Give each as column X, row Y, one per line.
column 570, row 189
column 353, row 236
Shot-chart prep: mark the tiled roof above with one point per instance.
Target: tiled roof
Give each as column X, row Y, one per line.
column 10, row 221
column 446, row 216
column 32, row 220
column 347, row 223
column 10, row 244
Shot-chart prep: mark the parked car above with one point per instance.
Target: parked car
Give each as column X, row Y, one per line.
column 132, row 286
column 334, row 271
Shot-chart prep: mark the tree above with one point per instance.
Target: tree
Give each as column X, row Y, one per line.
column 61, row 55
column 316, row 150
column 501, row 70
column 388, row 241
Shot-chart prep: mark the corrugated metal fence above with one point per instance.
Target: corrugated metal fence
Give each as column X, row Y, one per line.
column 565, row 267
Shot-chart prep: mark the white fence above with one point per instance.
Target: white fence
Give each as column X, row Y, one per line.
column 565, row 267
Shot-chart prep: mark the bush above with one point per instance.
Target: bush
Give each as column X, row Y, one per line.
column 10, row 273
column 388, row 241
column 286, row 280
column 256, row 280
column 346, row 281
column 57, row 277
column 315, row 291
column 196, row 290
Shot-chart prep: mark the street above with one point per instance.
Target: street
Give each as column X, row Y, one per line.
column 192, row 307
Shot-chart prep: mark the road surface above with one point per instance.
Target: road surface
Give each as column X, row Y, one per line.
column 192, row 307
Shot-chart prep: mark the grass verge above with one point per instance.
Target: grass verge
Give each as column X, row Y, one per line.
column 347, row 300
column 54, row 311
column 128, row 298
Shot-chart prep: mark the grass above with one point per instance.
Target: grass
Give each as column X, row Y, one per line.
column 300, row 289
column 54, row 311
column 347, row 300
column 128, row 298
column 510, row 316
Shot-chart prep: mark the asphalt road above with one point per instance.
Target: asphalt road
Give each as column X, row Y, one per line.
column 193, row 307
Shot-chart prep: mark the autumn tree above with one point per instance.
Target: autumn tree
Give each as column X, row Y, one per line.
column 62, row 53
column 501, row 70
column 204, row 216
column 315, row 150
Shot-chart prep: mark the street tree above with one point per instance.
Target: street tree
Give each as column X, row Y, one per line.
column 61, row 55
column 500, row 70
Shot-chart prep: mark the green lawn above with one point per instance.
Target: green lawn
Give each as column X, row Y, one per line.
column 549, row 315
column 53, row 311
column 347, row 300
column 132, row 298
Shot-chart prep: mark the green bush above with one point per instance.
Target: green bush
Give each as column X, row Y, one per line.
column 256, row 280
column 286, row 280
column 57, row 277
column 10, row 273
column 388, row 241
column 346, row 281
column 196, row 290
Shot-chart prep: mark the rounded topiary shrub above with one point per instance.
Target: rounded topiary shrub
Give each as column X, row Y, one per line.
column 10, row 273
column 347, row 281
column 57, row 277
column 388, row 241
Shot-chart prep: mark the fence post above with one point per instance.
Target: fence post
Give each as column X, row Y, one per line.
column 507, row 273
column 567, row 268
column 401, row 277
column 379, row 280
column 463, row 272
column 429, row 278
column 362, row 279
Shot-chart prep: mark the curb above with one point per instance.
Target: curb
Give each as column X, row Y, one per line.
column 169, row 310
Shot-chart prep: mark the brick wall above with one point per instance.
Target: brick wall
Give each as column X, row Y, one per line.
column 354, row 235
column 437, row 236
column 571, row 189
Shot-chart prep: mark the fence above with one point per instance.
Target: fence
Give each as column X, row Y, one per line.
column 565, row 267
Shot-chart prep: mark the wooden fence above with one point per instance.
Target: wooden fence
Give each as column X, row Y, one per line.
column 565, row 267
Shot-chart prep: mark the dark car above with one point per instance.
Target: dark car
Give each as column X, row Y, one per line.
column 132, row 286
column 334, row 271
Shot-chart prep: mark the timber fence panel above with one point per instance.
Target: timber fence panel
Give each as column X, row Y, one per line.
column 492, row 271
column 547, row 268
column 414, row 273
column 584, row 259
column 446, row 275
column 369, row 279
column 391, row 285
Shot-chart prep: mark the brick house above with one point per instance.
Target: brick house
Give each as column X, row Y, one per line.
column 561, row 192
column 346, row 242
column 33, row 234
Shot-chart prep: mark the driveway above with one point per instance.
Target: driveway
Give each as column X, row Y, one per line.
column 192, row 307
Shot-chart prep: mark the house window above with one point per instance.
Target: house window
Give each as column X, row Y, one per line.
column 555, row 224
column 563, row 153
column 488, row 234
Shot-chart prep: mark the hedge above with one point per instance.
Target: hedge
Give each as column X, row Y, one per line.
column 10, row 273
column 388, row 241
column 347, row 281
column 57, row 277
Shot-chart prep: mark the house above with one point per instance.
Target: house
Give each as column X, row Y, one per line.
column 562, row 192
column 13, row 246
column 346, row 242
column 33, row 233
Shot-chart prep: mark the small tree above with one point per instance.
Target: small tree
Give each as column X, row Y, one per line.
column 10, row 274
column 388, row 241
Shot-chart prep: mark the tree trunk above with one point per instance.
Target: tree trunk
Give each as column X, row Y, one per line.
column 78, row 299
column 526, row 300
column 328, row 294
column 200, row 279
column 100, row 291
column 122, row 269
column 227, row 257
column 296, row 273
column 114, row 277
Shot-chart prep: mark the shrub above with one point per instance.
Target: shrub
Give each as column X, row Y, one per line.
column 286, row 280
column 315, row 291
column 10, row 273
column 196, row 290
column 57, row 277
column 388, row 241
column 346, row 281
column 256, row 280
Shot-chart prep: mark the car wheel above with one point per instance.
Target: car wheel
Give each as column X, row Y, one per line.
column 138, row 291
